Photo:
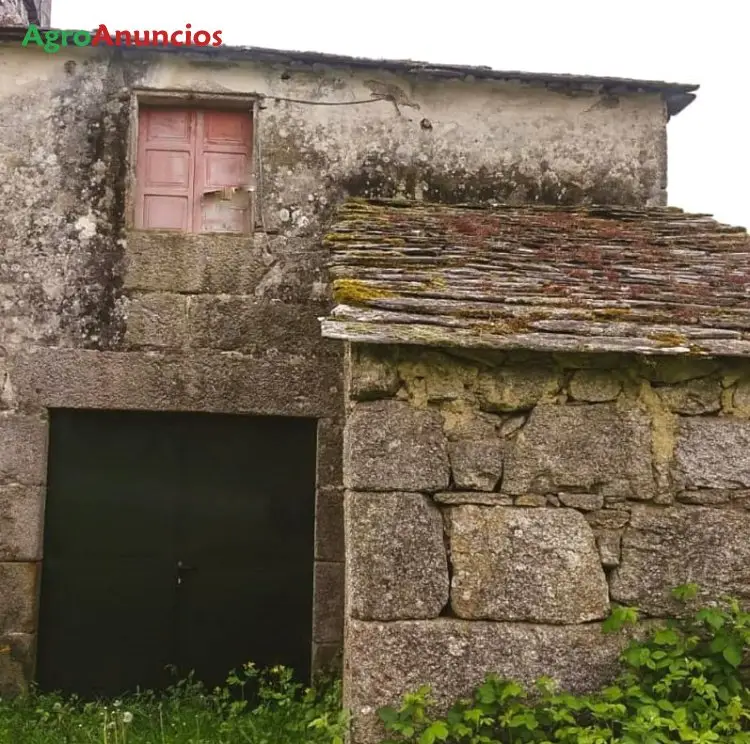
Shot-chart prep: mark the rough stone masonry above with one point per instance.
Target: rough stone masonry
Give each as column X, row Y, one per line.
column 25, row 12
column 96, row 314
column 498, row 503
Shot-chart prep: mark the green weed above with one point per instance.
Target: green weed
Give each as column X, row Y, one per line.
column 684, row 683
column 255, row 707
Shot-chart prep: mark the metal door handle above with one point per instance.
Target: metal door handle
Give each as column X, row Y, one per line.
column 182, row 568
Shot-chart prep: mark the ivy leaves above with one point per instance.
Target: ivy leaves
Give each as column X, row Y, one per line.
column 683, row 683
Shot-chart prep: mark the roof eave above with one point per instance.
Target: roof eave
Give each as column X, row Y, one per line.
column 678, row 102
column 432, row 336
column 677, row 95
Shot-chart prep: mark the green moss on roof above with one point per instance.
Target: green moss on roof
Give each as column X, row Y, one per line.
column 585, row 276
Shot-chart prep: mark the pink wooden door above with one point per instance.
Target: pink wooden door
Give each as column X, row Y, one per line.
column 185, row 159
column 165, row 169
column 223, row 161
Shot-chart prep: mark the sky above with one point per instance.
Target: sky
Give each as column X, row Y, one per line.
column 706, row 43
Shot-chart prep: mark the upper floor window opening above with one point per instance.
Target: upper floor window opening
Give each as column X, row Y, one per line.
column 193, row 170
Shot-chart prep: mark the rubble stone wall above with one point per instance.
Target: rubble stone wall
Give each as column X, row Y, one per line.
column 498, row 504
column 96, row 314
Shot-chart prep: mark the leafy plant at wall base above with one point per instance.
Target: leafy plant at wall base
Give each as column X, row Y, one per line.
column 684, row 682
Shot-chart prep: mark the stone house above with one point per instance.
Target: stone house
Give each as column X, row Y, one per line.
column 186, row 394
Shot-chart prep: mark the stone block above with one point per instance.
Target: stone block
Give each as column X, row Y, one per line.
column 594, row 448
column 436, row 377
column 21, row 523
column 330, row 452
column 328, row 602
column 461, row 420
column 693, row 397
column 329, row 524
column 713, row 453
column 18, row 597
column 157, row 320
column 664, row 548
column 476, row 464
column 511, row 425
column 385, row 660
column 516, row 387
column 17, row 652
column 532, row 499
column 254, row 265
column 670, row 370
column 741, row 396
column 327, row 658
column 396, row 563
column 609, row 543
column 608, row 519
column 283, row 384
column 456, row 498
column 373, row 373
column 528, row 565
column 390, row 446
column 299, row 274
column 183, row 263
column 711, row 496
column 252, row 326
column 594, row 386
column 23, row 454
column 582, row 501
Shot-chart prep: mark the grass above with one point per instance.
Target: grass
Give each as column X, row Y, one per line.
column 254, row 707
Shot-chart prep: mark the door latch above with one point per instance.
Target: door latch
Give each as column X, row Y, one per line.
column 182, row 568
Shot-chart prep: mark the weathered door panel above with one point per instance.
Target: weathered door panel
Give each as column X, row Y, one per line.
column 107, row 598
column 165, row 170
column 246, row 527
column 175, row 539
column 185, row 159
column 223, row 160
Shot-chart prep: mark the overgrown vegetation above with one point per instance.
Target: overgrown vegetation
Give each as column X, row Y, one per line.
column 278, row 711
column 683, row 683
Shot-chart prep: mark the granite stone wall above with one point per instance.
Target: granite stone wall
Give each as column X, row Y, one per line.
column 96, row 314
column 498, row 504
